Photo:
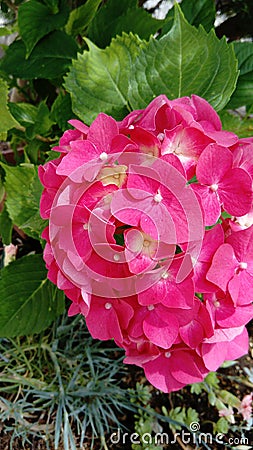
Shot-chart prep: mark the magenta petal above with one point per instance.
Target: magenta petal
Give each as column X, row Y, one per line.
column 239, row 346
column 242, row 243
column 218, row 160
column 214, row 354
column 185, row 367
column 102, row 131
column 235, row 192
column 210, row 203
column 192, row 333
column 241, row 288
column 82, row 152
column 159, row 332
column 205, row 111
column 223, row 266
column 159, row 374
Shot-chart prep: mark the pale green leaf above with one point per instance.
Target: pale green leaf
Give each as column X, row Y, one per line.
column 229, row 398
column 29, row 302
column 185, row 61
column 99, row 79
column 7, row 120
column 23, row 195
column 36, row 20
column 221, row 426
column 80, row 17
column 192, row 416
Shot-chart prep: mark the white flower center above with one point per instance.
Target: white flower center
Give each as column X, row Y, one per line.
column 243, row 265
column 151, row 307
column 214, row 187
column 157, row 197
column 165, row 275
column 103, row 156
column 85, row 226
column 167, row 354
column 116, row 257
column 161, row 136
column 108, row 306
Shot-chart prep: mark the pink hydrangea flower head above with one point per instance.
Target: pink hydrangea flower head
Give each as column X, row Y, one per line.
column 127, row 203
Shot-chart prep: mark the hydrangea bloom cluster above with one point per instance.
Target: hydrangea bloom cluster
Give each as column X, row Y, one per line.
column 151, row 236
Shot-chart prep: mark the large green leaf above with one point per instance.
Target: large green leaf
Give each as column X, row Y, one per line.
column 36, row 20
column 185, row 61
column 50, row 58
column 29, row 302
column 99, row 79
column 243, row 94
column 23, row 191
column 80, row 17
column 7, row 120
column 116, row 17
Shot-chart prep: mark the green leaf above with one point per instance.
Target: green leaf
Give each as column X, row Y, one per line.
column 197, row 388
column 199, row 12
column 7, row 120
column 6, row 31
column 116, row 17
column 212, row 380
column 61, row 111
column 229, row 399
column 36, row 20
column 99, row 79
column 191, row 416
column 185, row 61
column 80, row 17
column 5, row 226
column 242, row 126
column 23, row 191
column 50, row 58
column 24, row 113
column 42, row 124
column 243, row 94
column 29, row 302
column 222, row 426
